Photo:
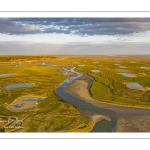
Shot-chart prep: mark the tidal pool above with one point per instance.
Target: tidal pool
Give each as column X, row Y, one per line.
column 24, row 103
column 15, row 86
column 127, row 75
column 95, row 70
column 134, row 85
column 8, row 75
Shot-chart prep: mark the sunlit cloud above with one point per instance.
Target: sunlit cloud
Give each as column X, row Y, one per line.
column 76, row 26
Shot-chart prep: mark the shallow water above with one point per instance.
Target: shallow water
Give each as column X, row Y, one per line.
column 102, row 126
column 82, row 105
column 24, row 103
column 135, row 85
column 15, row 86
column 127, row 75
column 8, row 75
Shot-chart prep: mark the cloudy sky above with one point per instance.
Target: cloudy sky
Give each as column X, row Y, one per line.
column 110, row 36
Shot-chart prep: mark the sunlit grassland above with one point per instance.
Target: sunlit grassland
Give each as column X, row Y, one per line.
column 52, row 114
column 109, row 87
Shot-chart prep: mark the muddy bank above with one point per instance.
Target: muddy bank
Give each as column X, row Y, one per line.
column 94, row 118
column 129, row 119
column 95, row 114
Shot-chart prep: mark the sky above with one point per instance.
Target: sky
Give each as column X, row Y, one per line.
column 74, row 36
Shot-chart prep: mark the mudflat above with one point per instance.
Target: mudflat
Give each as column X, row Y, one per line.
column 129, row 119
column 94, row 117
column 24, row 103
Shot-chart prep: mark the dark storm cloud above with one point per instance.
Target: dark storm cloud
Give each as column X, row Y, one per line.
column 77, row 26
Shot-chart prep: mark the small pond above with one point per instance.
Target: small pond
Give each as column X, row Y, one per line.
column 8, row 75
column 134, row 85
column 127, row 75
column 15, row 86
column 95, row 70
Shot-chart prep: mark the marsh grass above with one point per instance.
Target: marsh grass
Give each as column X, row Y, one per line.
column 109, row 87
column 55, row 115
column 51, row 114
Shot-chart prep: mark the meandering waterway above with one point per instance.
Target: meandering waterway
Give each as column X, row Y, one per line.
column 121, row 118
column 106, row 125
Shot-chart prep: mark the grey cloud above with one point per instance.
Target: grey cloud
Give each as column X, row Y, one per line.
column 10, row 27
column 54, row 30
column 77, row 26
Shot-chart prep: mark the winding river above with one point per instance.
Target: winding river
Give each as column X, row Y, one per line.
column 101, row 126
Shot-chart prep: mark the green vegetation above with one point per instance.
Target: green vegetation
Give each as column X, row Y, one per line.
column 52, row 114
column 109, row 86
column 55, row 115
